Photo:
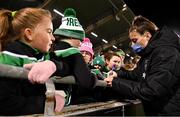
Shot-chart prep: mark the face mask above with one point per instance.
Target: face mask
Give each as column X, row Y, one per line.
column 137, row 48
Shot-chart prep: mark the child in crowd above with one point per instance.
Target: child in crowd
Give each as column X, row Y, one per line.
column 68, row 38
column 122, row 54
column 98, row 62
column 104, row 67
column 87, row 50
column 26, row 37
column 97, row 65
column 112, row 61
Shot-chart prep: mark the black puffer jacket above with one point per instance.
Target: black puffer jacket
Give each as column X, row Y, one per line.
column 157, row 77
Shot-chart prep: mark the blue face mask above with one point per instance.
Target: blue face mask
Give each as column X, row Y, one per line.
column 137, row 48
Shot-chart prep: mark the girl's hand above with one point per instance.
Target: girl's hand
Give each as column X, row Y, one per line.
column 40, row 72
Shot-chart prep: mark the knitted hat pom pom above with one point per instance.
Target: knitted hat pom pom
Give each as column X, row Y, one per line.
column 86, row 40
column 70, row 12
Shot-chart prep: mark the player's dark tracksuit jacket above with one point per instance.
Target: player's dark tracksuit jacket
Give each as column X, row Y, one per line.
column 157, row 77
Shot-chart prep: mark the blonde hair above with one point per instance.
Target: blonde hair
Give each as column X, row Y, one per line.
column 14, row 24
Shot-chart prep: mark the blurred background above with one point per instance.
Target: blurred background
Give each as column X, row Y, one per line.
column 106, row 22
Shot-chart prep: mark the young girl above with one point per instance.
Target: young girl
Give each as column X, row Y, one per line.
column 87, row 50
column 26, row 37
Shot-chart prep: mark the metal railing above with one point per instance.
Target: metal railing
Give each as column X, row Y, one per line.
column 8, row 71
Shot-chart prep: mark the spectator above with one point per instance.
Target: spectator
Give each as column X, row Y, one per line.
column 112, row 61
column 68, row 38
column 122, row 54
column 98, row 62
column 87, row 50
column 97, row 65
column 26, row 37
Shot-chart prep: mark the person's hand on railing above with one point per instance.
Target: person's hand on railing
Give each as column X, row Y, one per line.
column 110, row 77
column 40, row 72
column 60, row 100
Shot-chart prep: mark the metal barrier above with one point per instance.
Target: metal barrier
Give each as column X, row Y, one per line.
column 106, row 108
column 81, row 109
column 9, row 71
column 21, row 73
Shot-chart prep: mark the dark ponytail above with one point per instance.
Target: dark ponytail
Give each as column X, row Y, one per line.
column 142, row 24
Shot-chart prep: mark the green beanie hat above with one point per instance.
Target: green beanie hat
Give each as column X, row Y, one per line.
column 70, row 26
column 120, row 52
column 99, row 60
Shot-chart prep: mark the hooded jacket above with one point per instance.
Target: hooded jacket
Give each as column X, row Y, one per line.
column 157, row 77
